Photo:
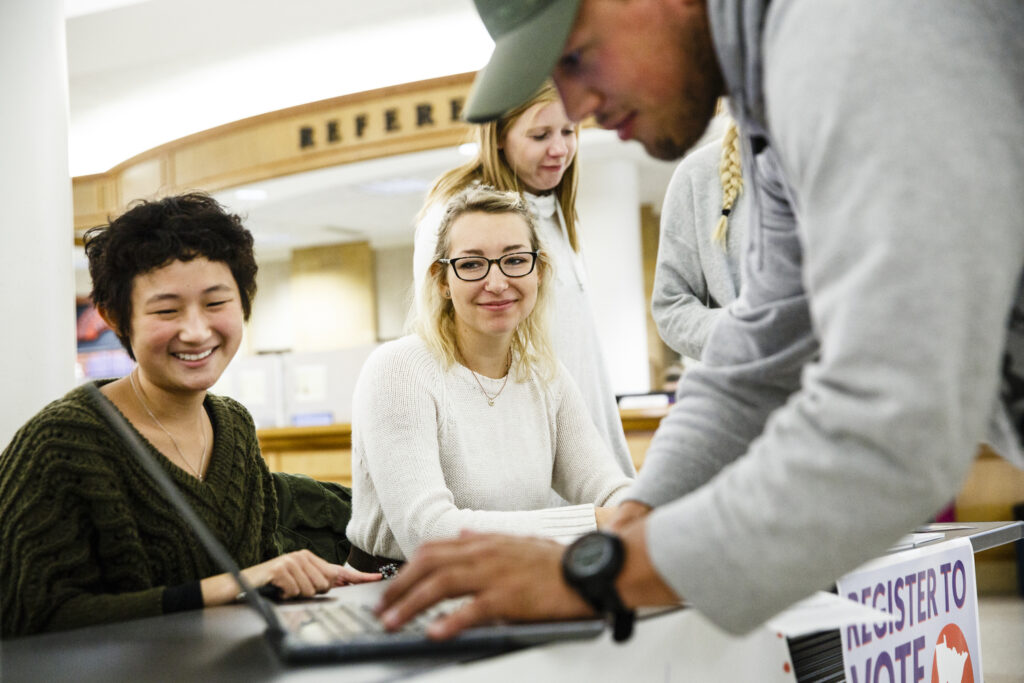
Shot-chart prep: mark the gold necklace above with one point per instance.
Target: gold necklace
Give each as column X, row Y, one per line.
column 490, row 399
column 202, row 432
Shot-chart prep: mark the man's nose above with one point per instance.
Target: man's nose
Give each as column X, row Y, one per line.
column 579, row 101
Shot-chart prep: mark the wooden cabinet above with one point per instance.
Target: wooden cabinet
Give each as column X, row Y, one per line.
column 640, row 425
column 323, row 453
column 992, row 488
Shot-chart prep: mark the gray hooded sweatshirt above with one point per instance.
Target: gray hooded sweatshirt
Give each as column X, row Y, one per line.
column 879, row 333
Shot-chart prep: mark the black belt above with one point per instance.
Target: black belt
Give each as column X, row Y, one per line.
column 365, row 562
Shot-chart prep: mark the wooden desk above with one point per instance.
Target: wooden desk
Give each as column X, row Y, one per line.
column 227, row 644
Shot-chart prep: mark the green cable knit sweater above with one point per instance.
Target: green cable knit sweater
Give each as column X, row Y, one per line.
column 86, row 537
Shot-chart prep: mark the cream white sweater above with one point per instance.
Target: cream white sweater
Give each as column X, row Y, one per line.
column 571, row 324
column 430, row 457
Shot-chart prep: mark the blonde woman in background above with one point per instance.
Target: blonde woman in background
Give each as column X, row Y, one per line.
column 471, row 422
column 532, row 151
column 703, row 232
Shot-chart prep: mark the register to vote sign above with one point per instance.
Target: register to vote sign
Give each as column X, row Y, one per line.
column 932, row 634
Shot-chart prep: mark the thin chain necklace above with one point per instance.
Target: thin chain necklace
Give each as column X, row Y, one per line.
column 202, row 432
column 490, row 399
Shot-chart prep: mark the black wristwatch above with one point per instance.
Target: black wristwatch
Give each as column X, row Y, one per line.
column 590, row 565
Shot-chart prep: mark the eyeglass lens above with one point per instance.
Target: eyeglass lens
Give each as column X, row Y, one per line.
column 474, row 268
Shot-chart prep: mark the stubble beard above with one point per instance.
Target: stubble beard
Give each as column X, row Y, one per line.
column 667, row 149
column 673, row 142
column 695, row 102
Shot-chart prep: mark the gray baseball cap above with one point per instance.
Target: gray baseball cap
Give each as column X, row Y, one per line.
column 528, row 39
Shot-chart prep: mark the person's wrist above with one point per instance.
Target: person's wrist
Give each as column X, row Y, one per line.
column 639, row 583
column 626, row 514
column 219, row 590
column 591, row 566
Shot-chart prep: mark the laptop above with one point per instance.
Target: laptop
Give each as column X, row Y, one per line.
column 341, row 626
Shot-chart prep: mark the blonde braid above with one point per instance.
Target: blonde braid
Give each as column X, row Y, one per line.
column 731, row 177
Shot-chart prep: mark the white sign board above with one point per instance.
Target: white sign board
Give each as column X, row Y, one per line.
column 931, row 596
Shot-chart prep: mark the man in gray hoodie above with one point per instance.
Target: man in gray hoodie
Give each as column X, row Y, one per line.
column 879, row 334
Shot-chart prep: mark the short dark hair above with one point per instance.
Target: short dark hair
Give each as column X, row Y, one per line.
column 151, row 235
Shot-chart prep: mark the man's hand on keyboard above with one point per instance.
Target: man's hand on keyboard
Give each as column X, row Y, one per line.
column 513, row 578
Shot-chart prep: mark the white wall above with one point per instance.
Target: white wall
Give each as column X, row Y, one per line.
column 609, row 208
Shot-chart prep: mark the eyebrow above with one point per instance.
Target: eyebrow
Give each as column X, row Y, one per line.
column 509, row 249
column 158, row 298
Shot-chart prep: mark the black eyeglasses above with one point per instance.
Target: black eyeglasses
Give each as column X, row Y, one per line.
column 473, row 268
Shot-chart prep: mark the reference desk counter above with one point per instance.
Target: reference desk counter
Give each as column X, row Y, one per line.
column 227, row 644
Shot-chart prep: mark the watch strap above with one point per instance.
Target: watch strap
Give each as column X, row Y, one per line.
column 605, row 600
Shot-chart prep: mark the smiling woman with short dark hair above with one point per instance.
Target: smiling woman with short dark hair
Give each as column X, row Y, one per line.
column 87, row 537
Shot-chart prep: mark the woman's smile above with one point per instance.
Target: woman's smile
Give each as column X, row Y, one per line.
column 195, row 358
column 502, row 305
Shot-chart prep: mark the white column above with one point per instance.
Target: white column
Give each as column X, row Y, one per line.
column 37, row 344
column 609, row 206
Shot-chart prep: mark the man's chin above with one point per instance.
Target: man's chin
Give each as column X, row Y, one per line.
column 666, row 148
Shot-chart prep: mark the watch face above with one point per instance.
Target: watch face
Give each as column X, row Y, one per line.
column 592, row 554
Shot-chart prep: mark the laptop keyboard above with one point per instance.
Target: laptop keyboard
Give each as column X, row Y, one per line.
column 344, row 619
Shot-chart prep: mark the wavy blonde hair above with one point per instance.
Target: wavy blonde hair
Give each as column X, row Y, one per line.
column 490, row 167
column 532, row 352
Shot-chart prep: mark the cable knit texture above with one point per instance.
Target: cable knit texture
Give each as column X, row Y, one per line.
column 87, row 536
column 430, row 457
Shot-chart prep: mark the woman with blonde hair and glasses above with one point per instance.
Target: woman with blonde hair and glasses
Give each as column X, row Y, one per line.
column 531, row 150
column 471, row 422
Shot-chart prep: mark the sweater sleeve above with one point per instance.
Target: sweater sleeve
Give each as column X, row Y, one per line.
column 912, row 252
column 396, row 412
column 584, row 470
column 680, row 295
column 49, row 566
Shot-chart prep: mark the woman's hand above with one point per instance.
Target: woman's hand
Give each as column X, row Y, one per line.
column 348, row 576
column 626, row 514
column 604, row 516
column 297, row 574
